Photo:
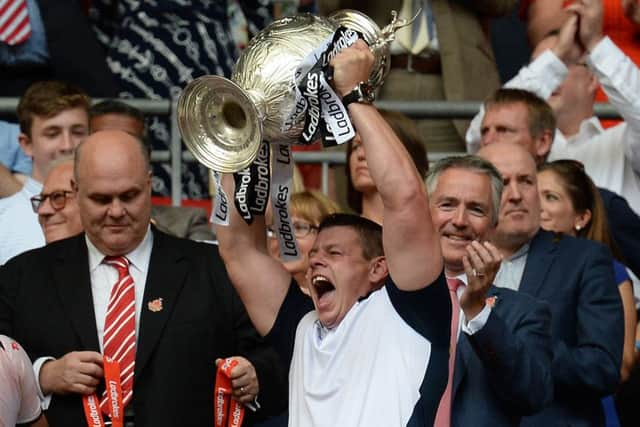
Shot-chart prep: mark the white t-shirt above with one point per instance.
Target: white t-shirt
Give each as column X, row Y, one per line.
column 385, row 364
column 19, row 401
column 19, row 227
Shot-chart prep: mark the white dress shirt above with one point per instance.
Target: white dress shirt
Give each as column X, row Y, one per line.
column 103, row 278
column 611, row 156
column 473, row 325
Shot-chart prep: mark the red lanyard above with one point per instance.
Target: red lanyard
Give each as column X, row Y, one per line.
column 224, row 402
column 114, row 408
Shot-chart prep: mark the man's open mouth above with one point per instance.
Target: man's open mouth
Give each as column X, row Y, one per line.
column 322, row 285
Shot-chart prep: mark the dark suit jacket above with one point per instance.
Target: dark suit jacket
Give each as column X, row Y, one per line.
column 575, row 277
column 46, row 304
column 503, row 371
column 624, row 224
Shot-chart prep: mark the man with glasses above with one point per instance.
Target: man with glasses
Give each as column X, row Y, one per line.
column 56, row 205
column 53, row 120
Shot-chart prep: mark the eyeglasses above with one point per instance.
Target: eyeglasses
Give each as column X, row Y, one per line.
column 300, row 229
column 58, row 200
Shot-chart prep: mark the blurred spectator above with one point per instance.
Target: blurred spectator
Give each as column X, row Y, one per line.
column 19, row 402
column 568, row 81
column 621, row 24
column 444, row 55
column 62, row 46
column 53, row 121
column 307, row 209
column 154, row 49
column 180, row 221
column 362, row 195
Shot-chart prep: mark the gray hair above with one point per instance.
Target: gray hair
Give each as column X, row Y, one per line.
column 474, row 164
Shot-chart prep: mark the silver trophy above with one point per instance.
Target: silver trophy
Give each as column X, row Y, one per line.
column 223, row 121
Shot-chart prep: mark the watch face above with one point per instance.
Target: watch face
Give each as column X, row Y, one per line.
column 368, row 93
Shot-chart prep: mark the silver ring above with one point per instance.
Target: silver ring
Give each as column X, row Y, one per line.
column 477, row 273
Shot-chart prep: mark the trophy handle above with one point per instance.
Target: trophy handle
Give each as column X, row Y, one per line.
column 219, row 123
column 373, row 35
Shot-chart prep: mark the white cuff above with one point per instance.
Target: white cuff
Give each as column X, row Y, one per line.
column 45, row 401
column 478, row 322
column 605, row 57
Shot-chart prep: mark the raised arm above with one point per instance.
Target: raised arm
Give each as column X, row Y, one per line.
column 412, row 247
column 618, row 75
column 260, row 280
column 542, row 76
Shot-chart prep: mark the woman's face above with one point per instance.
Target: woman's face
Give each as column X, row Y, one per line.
column 557, row 213
column 358, row 168
column 305, row 235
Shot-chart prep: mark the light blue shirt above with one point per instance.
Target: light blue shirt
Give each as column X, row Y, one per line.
column 19, row 227
column 511, row 270
column 11, row 154
column 34, row 50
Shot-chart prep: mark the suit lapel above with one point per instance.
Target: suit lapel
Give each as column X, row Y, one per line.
column 542, row 252
column 165, row 278
column 73, row 284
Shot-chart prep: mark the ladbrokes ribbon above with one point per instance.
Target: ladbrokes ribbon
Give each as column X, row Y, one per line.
column 325, row 116
column 281, row 189
column 252, row 186
column 228, row 412
column 115, row 408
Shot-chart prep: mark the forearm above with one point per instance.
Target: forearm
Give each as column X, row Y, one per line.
column 620, row 80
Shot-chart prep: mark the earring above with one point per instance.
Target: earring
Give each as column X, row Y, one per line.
column 578, row 227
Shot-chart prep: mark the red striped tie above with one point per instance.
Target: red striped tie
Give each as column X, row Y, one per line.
column 14, row 22
column 120, row 327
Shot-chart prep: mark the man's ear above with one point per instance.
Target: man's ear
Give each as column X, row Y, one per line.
column 543, row 145
column 378, row 269
column 25, row 144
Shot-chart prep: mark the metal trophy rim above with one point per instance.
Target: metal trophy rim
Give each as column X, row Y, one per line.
column 227, row 103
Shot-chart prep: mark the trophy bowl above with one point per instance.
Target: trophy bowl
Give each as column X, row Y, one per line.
column 223, row 121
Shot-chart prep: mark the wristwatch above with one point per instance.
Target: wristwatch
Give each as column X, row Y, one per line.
column 363, row 93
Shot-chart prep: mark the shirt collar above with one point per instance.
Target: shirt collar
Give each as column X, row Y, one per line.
column 523, row 251
column 138, row 258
